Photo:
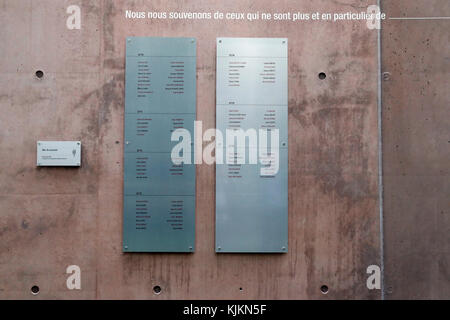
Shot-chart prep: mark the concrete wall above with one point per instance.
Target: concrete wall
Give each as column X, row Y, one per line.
column 51, row 218
column 416, row 150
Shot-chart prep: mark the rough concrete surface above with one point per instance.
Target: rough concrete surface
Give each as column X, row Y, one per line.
column 51, row 218
column 416, row 148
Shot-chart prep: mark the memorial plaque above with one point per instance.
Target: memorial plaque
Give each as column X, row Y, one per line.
column 159, row 193
column 252, row 95
column 58, row 154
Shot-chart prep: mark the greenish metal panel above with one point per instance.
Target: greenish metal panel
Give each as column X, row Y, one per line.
column 160, row 97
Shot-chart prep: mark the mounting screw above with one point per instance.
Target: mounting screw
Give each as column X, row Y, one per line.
column 386, row 76
column 126, row 247
column 283, row 248
column 39, row 74
column 219, row 248
column 220, row 41
column 128, row 142
column 34, row 290
column 190, row 248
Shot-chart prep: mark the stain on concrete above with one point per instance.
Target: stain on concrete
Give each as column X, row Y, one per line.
column 108, row 27
column 360, row 45
column 111, row 95
column 25, row 224
column 341, row 163
column 360, row 97
column 297, row 110
column 115, row 64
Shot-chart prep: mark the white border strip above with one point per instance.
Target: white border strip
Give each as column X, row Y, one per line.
column 420, row 18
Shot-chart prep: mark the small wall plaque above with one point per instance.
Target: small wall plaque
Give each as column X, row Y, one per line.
column 58, row 153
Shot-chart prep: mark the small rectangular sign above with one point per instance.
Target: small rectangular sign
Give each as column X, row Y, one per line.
column 252, row 98
column 59, row 153
column 159, row 192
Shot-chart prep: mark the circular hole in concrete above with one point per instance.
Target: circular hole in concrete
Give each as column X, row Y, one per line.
column 324, row 289
column 39, row 74
column 322, row 75
column 34, row 290
column 240, row 289
column 157, row 289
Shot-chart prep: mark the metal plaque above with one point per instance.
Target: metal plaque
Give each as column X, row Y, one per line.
column 59, row 153
column 160, row 97
column 252, row 196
